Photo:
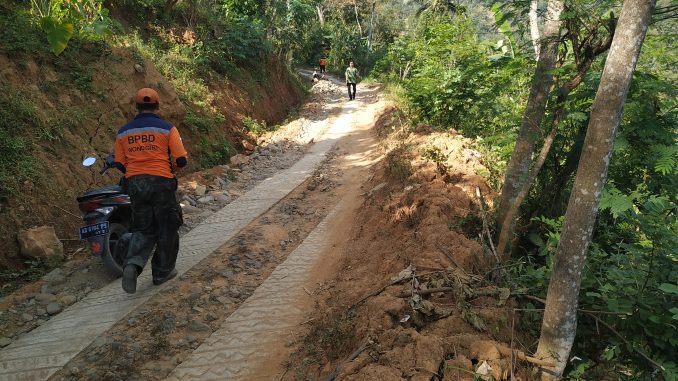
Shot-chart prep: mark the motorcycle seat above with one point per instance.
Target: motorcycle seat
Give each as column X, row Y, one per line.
column 103, row 191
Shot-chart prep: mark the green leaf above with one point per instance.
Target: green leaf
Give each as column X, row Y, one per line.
column 58, row 34
column 674, row 311
column 502, row 23
column 615, row 201
column 100, row 27
column 667, row 160
column 669, row 288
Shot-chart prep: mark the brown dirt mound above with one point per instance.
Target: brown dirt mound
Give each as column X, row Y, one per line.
column 420, row 216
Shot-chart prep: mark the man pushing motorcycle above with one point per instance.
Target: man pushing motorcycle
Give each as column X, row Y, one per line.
column 147, row 149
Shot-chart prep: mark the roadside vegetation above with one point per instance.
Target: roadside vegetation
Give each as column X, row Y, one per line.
column 467, row 67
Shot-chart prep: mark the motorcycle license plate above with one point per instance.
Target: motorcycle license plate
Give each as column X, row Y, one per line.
column 94, row 230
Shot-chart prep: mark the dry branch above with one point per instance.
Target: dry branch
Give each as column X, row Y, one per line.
column 486, row 227
column 365, row 344
column 389, row 284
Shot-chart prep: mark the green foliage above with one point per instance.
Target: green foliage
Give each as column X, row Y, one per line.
column 241, row 44
column 667, row 159
column 254, row 126
column 215, row 153
column 58, row 33
column 449, row 80
column 204, row 123
column 629, row 272
column 504, row 27
column 61, row 19
column 346, row 46
column 17, row 117
column 20, row 33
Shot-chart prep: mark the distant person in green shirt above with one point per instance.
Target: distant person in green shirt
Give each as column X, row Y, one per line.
column 352, row 77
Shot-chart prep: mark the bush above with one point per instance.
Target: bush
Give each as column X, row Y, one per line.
column 216, row 153
column 203, row 123
column 398, row 164
column 254, row 126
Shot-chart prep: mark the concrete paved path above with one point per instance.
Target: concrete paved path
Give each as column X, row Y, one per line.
column 251, row 342
column 239, row 350
column 42, row 352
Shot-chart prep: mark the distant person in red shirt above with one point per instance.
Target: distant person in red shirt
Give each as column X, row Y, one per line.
column 148, row 149
column 322, row 62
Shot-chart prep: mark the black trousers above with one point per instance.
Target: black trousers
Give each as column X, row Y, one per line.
column 156, row 217
column 322, row 68
column 351, row 95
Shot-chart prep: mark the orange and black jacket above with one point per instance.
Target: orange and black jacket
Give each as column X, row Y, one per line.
column 149, row 145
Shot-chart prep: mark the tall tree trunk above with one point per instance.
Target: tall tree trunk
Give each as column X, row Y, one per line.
column 357, row 18
column 369, row 33
column 321, row 14
column 534, row 27
column 560, row 316
column 521, row 158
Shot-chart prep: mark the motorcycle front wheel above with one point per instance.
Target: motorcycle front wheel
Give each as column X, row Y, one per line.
column 113, row 259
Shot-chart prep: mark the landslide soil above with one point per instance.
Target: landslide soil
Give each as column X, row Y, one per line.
column 419, row 216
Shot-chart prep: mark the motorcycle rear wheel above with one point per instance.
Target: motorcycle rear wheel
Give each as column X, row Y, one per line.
column 113, row 260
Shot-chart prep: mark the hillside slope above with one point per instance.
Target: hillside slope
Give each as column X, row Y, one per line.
column 57, row 110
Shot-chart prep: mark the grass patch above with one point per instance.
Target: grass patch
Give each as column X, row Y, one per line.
column 176, row 62
column 68, row 120
column 17, row 117
column 35, row 269
column 20, row 33
column 203, row 123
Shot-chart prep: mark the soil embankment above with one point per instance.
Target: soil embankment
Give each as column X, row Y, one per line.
column 72, row 106
column 410, row 297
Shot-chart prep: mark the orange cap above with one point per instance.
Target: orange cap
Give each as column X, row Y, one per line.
column 146, row 95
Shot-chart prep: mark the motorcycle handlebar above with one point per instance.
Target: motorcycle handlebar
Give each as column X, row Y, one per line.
column 108, row 163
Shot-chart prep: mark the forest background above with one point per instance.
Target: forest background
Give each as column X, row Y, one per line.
column 451, row 65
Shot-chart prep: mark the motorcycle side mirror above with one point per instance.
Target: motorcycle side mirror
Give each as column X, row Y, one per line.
column 89, row 161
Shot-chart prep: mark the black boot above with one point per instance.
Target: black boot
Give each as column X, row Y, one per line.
column 129, row 279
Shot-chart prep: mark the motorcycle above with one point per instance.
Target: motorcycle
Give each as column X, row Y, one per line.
column 107, row 212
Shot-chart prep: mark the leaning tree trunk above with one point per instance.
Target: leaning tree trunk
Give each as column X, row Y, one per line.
column 560, row 317
column 518, row 167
